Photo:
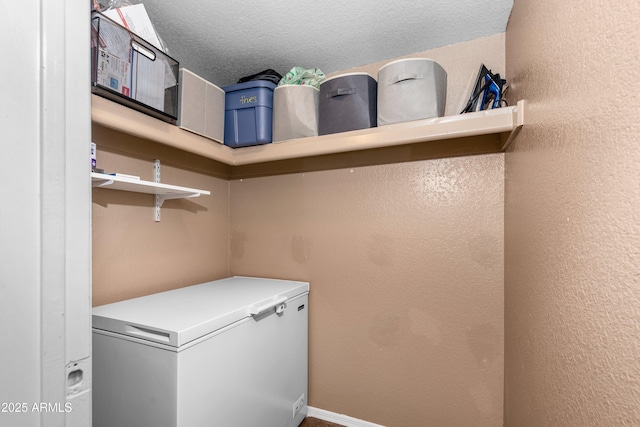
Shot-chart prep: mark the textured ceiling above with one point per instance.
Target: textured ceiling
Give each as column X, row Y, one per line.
column 225, row 40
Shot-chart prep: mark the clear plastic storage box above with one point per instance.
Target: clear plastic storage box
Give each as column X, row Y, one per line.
column 131, row 71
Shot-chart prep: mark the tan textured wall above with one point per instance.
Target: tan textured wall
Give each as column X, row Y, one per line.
column 405, row 263
column 572, row 287
column 132, row 254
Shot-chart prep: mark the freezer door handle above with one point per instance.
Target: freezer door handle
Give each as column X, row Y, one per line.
column 277, row 304
column 150, row 334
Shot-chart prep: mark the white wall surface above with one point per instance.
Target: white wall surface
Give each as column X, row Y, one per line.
column 45, row 280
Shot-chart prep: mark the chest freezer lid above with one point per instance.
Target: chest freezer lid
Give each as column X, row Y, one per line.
column 182, row 315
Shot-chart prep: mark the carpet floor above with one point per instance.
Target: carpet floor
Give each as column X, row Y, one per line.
column 314, row 422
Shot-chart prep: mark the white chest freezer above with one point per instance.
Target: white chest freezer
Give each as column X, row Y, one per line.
column 227, row 353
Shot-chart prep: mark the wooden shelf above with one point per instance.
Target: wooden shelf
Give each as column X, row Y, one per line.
column 505, row 122
column 115, row 116
column 498, row 121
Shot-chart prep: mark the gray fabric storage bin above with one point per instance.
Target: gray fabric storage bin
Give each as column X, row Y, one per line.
column 200, row 106
column 295, row 112
column 411, row 89
column 347, row 102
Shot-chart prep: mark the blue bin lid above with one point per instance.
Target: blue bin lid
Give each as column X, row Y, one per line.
column 250, row 85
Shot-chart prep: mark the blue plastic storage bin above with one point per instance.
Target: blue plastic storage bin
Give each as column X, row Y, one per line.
column 248, row 113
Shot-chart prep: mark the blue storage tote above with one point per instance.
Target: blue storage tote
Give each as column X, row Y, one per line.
column 248, row 113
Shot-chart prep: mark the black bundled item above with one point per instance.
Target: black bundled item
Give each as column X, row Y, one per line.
column 268, row 75
column 492, row 88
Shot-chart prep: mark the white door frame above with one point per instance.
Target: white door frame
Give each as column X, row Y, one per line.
column 45, row 214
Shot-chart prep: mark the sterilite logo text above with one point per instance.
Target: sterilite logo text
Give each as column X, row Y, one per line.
column 14, row 407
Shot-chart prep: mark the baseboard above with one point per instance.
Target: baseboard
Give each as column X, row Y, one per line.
column 339, row 418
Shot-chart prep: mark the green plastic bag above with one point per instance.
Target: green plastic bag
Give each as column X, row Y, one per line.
column 301, row 76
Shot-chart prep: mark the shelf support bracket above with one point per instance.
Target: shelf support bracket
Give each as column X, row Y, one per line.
column 159, row 198
column 518, row 120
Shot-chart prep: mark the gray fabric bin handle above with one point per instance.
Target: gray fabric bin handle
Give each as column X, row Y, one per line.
column 402, row 77
column 341, row 91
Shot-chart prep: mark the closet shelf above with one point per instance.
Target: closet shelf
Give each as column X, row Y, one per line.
column 504, row 122
column 165, row 191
